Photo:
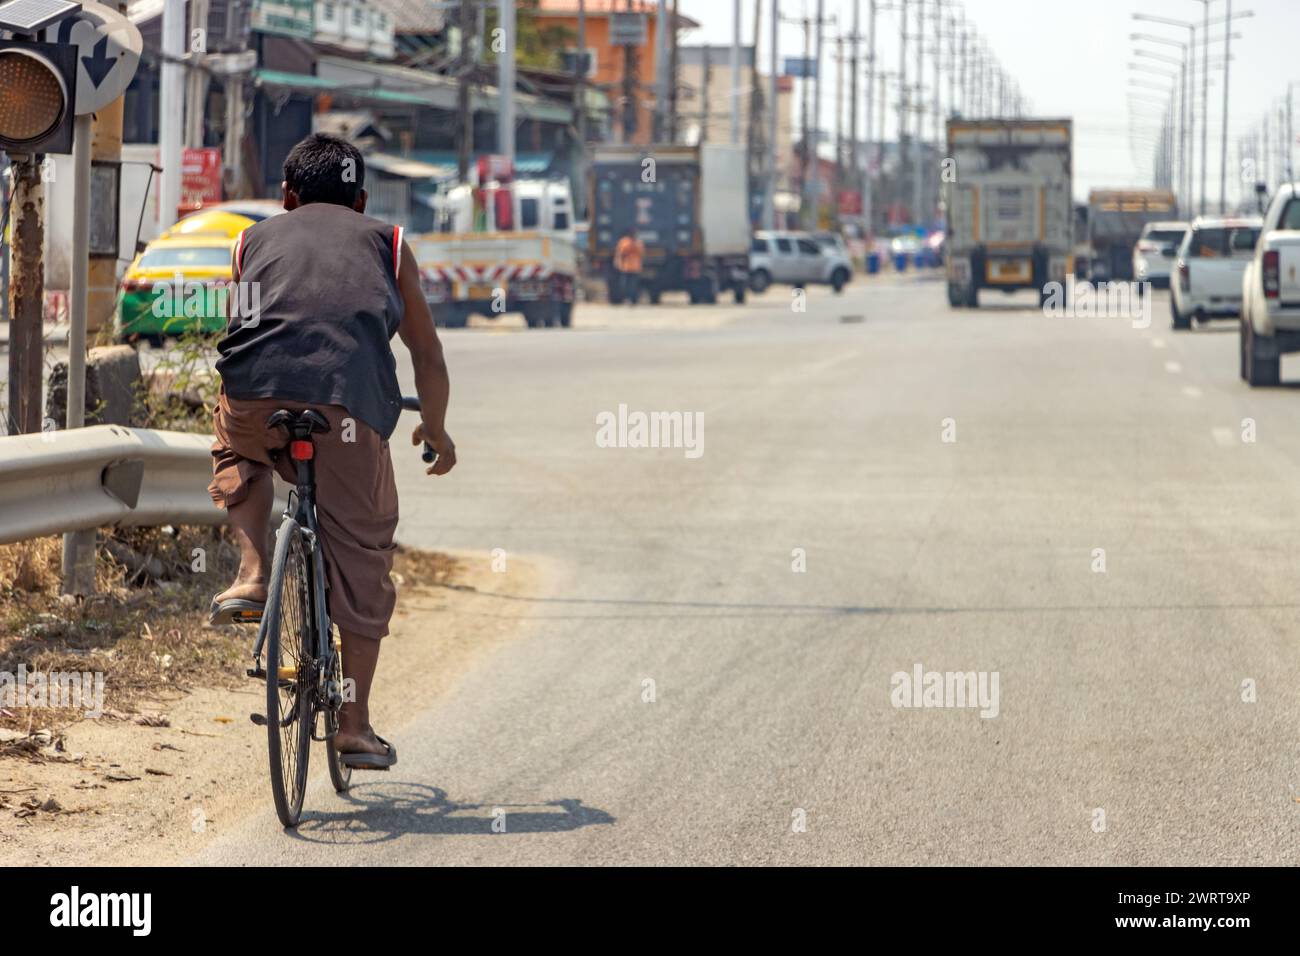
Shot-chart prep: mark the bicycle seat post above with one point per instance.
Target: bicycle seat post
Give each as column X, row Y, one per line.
column 300, row 426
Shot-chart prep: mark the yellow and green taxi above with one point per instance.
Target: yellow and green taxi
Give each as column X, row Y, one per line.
column 177, row 284
column 180, row 281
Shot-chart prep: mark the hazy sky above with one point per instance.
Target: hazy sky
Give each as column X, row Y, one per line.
column 1071, row 58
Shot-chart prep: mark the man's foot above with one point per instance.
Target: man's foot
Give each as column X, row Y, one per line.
column 362, row 743
column 254, row 591
column 364, row 751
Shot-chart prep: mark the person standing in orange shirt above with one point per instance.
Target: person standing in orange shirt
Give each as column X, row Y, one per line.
column 627, row 263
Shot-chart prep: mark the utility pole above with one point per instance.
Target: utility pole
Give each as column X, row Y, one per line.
column 196, row 83
column 735, row 72
column 838, row 175
column 1266, row 158
column 705, row 111
column 171, row 111
column 1205, row 98
column 580, row 117
column 817, row 119
column 672, row 76
column 754, row 149
column 904, row 152
column 465, row 141
column 506, row 81
column 1290, row 138
column 865, row 177
column 627, row 127
column 855, row 169
column 806, row 152
column 805, row 109
column 26, row 294
column 769, row 198
column 661, row 72
column 918, row 142
column 938, row 47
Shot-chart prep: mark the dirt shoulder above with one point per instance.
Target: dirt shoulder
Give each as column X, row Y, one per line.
column 156, row 785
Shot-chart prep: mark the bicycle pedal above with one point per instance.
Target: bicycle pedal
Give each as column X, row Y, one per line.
column 246, row 617
column 259, row 719
column 259, row 672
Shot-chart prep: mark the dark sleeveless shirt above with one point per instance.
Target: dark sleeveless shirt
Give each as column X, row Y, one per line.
column 329, row 307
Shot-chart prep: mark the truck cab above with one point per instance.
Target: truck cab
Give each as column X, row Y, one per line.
column 500, row 246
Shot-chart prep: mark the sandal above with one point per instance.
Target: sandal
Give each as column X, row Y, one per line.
column 369, row 761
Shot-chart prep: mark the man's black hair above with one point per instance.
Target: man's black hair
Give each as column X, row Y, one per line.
column 324, row 168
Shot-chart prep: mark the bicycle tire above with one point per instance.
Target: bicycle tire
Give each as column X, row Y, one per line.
column 289, row 642
column 340, row 775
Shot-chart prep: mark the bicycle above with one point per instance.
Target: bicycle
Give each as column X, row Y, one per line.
column 304, row 655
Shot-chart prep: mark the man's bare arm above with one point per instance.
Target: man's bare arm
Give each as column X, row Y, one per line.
column 431, row 381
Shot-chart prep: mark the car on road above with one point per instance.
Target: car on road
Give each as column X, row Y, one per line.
column 1270, row 291
column 1156, row 251
column 175, row 285
column 1209, row 269
column 796, row 259
column 209, row 222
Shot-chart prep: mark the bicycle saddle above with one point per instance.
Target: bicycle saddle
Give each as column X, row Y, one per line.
column 299, row 424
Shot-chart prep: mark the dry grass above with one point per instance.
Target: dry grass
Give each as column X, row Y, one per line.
column 144, row 632
column 144, row 629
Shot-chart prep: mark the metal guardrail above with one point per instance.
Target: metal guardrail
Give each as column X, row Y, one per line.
column 60, row 481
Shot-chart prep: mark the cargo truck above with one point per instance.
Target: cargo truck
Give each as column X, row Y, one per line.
column 1007, row 194
column 1116, row 218
column 688, row 204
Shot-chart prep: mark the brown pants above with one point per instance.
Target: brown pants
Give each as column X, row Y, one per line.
column 356, row 499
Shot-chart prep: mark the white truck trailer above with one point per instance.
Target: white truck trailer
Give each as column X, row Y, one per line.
column 1007, row 190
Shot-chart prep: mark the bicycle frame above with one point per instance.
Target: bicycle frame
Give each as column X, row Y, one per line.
column 301, row 507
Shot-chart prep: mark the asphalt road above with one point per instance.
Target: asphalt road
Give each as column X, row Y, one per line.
column 1121, row 733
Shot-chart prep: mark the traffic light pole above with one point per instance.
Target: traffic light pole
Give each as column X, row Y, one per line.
column 26, row 295
column 79, row 546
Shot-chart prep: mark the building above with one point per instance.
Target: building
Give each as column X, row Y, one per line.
column 287, row 65
column 616, row 68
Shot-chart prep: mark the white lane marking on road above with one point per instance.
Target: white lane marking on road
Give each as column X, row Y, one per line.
column 1173, row 368
column 811, row 369
column 1191, row 391
column 1157, row 343
column 1222, row 437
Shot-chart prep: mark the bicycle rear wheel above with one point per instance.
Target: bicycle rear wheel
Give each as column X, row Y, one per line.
column 290, row 671
column 340, row 776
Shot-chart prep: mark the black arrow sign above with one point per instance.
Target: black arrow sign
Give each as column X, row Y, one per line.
column 99, row 65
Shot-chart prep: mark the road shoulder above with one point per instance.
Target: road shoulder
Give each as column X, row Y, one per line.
column 134, row 793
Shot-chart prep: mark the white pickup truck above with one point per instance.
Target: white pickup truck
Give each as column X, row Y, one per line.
column 499, row 249
column 1270, row 291
column 1207, row 273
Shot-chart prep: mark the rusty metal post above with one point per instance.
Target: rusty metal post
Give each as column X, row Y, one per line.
column 26, row 296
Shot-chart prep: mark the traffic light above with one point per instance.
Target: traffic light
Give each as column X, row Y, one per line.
column 38, row 90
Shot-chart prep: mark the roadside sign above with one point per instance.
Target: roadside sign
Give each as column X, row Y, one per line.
column 627, row 29
column 108, row 52
column 200, row 177
column 801, row 66
column 289, row 18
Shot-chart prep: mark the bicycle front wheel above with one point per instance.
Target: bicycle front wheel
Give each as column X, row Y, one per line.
column 290, row 671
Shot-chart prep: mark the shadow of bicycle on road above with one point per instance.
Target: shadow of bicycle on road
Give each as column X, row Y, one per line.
column 380, row 812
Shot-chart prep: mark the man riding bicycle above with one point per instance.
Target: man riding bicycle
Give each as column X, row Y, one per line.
column 334, row 286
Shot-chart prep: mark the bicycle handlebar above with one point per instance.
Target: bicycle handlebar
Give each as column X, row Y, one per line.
column 412, row 404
